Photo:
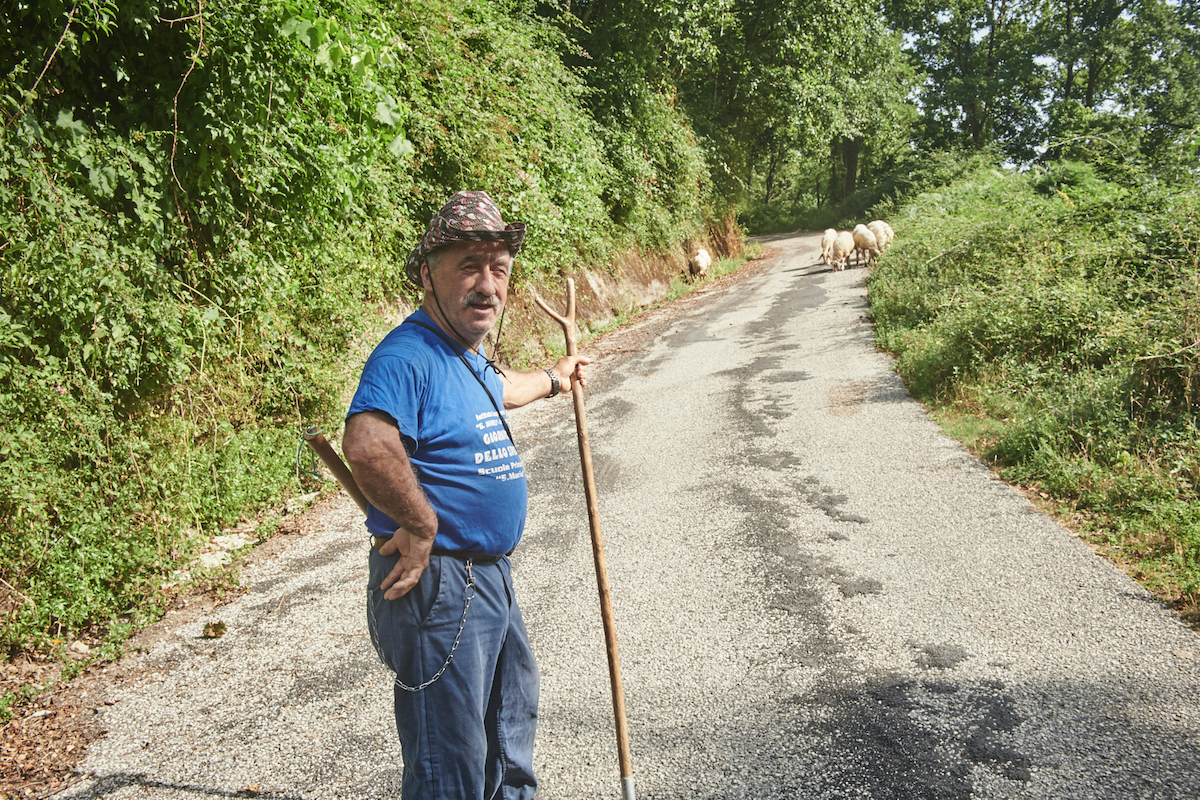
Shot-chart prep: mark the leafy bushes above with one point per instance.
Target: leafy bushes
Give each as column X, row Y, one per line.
column 201, row 211
column 661, row 187
column 1062, row 309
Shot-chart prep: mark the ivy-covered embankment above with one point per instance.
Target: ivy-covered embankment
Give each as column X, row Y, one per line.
column 203, row 205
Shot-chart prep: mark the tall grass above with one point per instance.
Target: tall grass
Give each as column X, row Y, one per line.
column 1052, row 319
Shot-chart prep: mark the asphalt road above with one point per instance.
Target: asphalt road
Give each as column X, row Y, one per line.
column 818, row 595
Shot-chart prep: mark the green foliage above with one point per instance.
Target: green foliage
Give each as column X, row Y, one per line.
column 201, row 207
column 1064, row 310
column 814, row 89
column 1071, row 76
column 681, row 285
column 660, row 187
column 767, row 87
column 986, row 80
column 1109, row 84
column 910, row 175
column 9, row 699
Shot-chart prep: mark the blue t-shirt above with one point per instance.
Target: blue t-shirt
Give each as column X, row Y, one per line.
column 458, row 446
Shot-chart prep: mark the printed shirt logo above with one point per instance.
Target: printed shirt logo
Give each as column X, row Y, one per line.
column 502, row 462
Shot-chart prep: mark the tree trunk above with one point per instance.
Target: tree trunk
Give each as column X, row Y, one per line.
column 586, row 17
column 997, row 19
column 1093, row 76
column 851, row 147
column 835, row 176
column 773, row 159
column 977, row 123
column 974, row 110
column 843, row 167
column 1069, row 57
column 1095, row 68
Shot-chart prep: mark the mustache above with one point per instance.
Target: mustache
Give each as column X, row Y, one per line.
column 478, row 298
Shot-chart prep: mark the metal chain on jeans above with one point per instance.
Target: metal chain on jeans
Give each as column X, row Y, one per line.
column 469, row 593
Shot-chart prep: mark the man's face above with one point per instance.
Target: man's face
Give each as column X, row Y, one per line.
column 470, row 281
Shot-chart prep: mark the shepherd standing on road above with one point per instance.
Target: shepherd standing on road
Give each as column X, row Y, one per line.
column 429, row 444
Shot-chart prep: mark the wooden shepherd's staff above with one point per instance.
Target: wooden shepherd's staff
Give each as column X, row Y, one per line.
column 593, row 509
column 321, row 446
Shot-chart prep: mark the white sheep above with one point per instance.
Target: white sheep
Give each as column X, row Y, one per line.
column 843, row 247
column 827, row 244
column 864, row 244
column 700, row 262
column 876, row 227
column 883, row 233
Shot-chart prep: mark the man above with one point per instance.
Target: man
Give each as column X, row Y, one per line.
column 429, row 445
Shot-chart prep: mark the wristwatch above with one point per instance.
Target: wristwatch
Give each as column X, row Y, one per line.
column 555, row 386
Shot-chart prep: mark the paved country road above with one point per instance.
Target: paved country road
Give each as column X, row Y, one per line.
column 818, row 595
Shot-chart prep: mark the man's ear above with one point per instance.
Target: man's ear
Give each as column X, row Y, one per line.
column 426, row 275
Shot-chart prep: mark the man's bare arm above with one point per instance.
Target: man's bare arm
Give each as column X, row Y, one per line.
column 382, row 470
column 521, row 388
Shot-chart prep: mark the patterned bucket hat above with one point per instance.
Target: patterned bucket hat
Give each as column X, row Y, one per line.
column 466, row 217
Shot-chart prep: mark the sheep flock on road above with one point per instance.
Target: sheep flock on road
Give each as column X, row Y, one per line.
column 864, row 243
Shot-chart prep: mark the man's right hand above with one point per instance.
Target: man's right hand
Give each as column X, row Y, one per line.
column 381, row 467
column 414, row 558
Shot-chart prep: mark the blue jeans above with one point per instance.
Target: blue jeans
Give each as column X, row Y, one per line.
column 468, row 735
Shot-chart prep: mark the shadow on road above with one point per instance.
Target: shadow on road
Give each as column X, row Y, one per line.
column 110, row 784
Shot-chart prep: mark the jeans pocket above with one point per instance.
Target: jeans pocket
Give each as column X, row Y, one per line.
column 394, row 624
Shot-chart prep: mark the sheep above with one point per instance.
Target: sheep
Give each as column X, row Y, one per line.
column 827, row 244
column 864, row 243
column 699, row 263
column 883, row 233
column 843, row 246
column 876, row 227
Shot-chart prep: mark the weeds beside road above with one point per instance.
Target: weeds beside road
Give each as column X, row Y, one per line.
column 1051, row 320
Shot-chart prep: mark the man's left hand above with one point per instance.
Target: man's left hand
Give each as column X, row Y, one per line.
column 572, row 369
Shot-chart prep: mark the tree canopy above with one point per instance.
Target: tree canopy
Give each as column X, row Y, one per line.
column 1023, row 76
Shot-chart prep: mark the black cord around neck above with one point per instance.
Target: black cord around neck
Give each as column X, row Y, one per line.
column 454, row 348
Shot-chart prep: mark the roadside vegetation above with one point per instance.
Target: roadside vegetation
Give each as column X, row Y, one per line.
column 1051, row 318
column 201, row 211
